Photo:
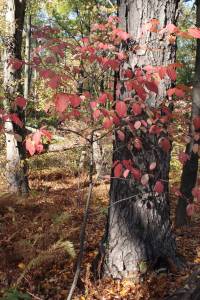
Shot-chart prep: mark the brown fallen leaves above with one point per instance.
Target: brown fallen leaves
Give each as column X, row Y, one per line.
column 54, row 213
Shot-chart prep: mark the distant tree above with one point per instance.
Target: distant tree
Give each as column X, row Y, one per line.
column 16, row 172
column 186, row 48
column 190, row 168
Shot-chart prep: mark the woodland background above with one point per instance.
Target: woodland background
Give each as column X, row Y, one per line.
column 56, row 156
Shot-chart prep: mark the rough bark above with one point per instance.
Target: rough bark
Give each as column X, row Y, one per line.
column 190, row 169
column 139, row 229
column 16, row 166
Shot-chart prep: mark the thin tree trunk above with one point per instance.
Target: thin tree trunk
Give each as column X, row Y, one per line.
column 16, row 167
column 139, row 228
column 190, row 169
column 27, row 73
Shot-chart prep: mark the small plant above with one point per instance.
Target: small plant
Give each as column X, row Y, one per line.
column 14, row 294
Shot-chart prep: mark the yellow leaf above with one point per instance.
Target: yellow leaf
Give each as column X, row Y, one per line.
column 21, row 266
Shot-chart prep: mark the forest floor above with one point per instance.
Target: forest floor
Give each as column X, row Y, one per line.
column 39, row 237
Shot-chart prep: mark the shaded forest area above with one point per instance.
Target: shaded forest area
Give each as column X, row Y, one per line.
column 99, row 149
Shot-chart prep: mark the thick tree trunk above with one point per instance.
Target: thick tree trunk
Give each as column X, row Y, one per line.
column 190, row 169
column 139, row 229
column 16, row 167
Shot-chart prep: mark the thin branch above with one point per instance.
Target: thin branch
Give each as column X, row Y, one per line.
column 82, row 234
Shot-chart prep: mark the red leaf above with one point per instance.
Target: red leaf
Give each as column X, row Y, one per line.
column 96, row 114
column 152, row 86
column 39, row 148
column 165, row 144
column 136, row 173
column 128, row 164
column 171, row 28
column 118, row 170
column 137, row 125
column 121, row 135
column 54, row 82
column 30, row 146
column 93, row 104
column 190, row 209
column 141, row 92
column 76, row 113
column 121, row 33
column 137, row 144
column 105, row 112
column 16, row 120
column 37, row 60
column 16, row 63
column 116, row 120
column 170, row 92
column 46, row 73
column 196, row 122
column 196, row 193
column 162, row 72
column 183, row 157
column 36, row 137
column 137, row 109
column 179, row 92
column 121, row 109
column 46, row 133
column 144, row 123
column 107, row 123
column 21, row 102
column 171, row 73
column 121, row 55
column 102, row 99
column 75, row 100
column 61, row 102
column 154, row 129
column 194, row 32
column 159, row 187
column 128, row 73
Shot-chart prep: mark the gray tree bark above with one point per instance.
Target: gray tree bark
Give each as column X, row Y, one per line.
column 16, row 166
column 139, row 228
column 27, row 73
column 190, row 169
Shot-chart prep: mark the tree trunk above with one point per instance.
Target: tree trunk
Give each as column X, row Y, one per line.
column 16, row 167
column 190, row 169
column 139, row 228
column 27, row 73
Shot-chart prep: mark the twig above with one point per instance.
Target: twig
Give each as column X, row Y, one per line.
column 35, row 297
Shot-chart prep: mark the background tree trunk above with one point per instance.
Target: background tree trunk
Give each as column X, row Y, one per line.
column 139, row 228
column 27, row 73
column 16, row 167
column 190, row 169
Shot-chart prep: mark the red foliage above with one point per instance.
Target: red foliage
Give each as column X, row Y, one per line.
column 159, row 187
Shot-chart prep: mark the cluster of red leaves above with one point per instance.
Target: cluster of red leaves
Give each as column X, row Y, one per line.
column 101, row 50
column 34, row 141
